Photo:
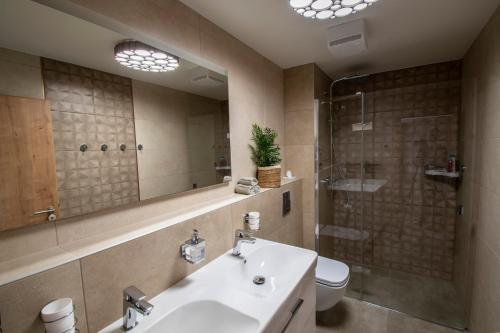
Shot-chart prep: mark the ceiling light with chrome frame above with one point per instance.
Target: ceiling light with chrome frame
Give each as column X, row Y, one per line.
column 140, row 56
column 329, row 9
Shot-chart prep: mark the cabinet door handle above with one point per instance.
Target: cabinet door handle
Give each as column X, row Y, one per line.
column 49, row 210
column 293, row 312
column 51, row 215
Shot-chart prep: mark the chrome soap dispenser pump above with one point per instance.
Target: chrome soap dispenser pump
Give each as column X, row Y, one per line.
column 193, row 250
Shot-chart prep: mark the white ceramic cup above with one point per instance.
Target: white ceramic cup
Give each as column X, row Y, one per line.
column 289, row 174
column 57, row 309
column 254, row 220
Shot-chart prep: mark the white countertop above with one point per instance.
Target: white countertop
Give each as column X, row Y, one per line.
column 221, row 281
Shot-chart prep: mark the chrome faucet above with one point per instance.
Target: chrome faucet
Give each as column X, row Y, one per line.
column 133, row 302
column 241, row 236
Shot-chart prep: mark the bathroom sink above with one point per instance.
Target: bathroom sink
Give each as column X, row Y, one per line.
column 221, row 296
column 203, row 316
column 277, row 264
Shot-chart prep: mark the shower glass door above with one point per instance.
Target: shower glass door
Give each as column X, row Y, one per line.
column 341, row 152
column 377, row 212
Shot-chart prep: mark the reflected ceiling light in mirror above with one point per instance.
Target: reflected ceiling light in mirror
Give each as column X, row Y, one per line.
column 329, row 9
column 142, row 57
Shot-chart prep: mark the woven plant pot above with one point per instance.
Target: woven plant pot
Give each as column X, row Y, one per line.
column 269, row 177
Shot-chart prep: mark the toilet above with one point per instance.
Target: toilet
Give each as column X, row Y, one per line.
column 332, row 277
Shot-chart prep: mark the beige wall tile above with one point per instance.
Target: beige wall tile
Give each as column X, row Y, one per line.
column 242, row 163
column 300, row 159
column 299, row 127
column 151, row 263
column 21, row 301
column 308, row 236
column 299, row 87
column 479, row 137
column 20, row 59
column 20, row 74
column 302, row 84
column 285, row 229
column 21, row 242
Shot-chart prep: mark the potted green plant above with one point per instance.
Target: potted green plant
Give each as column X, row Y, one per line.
column 266, row 155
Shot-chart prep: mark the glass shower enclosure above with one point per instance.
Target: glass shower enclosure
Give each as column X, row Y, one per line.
column 371, row 208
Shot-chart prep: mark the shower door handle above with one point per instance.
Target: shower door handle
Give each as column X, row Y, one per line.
column 325, row 181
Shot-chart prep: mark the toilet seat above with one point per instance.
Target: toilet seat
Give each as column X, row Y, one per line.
column 331, row 273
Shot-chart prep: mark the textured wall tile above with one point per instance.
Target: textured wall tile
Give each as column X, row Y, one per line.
column 21, row 301
column 155, row 262
column 94, row 108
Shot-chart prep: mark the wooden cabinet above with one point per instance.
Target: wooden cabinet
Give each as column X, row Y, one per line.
column 27, row 162
column 298, row 312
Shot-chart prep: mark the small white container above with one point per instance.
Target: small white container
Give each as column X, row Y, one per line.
column 64, row 324
column 57, row 309
column 58, row 316
column 253, row 219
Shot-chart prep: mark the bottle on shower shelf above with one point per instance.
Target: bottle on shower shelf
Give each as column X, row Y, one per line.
column 452, row 163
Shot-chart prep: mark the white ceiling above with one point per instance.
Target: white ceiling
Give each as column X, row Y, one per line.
column 401, row 33
column 35, row 29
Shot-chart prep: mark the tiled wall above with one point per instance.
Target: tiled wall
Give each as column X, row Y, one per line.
column 302, row 85
column 152, row 263
column 20, row 74
column 299, row 138
column 411, row 220
column 93, row 108
column 478, row 236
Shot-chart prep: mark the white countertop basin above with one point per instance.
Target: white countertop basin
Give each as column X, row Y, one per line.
column 221, row 296
column 198, row 316
column 278, row 264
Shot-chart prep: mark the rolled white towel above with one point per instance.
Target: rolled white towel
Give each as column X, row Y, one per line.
column 251, row 181
column 247, row 189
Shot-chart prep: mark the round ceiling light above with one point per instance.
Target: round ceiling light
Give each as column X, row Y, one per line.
column 142, row 57
column 329, row 9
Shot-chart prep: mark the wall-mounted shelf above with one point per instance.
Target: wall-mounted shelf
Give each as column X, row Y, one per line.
column 354, row 185
column 223, row 167
column 442, row 173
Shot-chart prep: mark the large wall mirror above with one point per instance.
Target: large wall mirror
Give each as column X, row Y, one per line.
column 91, row 119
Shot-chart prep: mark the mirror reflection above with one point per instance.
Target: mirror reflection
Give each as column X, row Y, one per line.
column 128, row 121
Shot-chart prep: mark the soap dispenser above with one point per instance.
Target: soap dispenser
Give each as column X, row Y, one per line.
column 193, row 250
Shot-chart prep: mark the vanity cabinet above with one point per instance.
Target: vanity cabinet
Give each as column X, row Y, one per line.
column 298, row 312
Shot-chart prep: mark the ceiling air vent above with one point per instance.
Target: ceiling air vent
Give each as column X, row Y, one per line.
column 347, row 39
column 204, row 77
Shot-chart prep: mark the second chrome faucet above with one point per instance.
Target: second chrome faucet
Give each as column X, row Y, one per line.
column 241, row 236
